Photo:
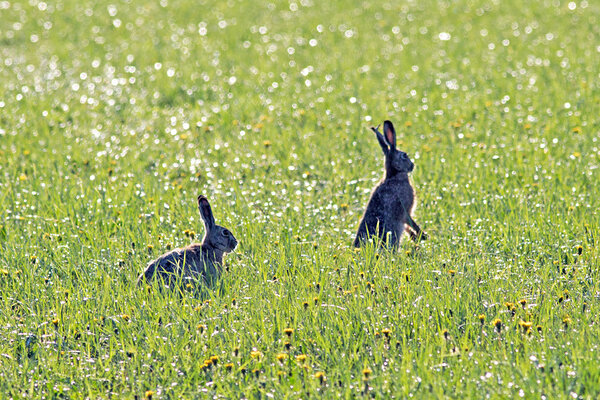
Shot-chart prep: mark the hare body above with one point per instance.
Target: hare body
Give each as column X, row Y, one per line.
column 388, row 212
column 198, row 261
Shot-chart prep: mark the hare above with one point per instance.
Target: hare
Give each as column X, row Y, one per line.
column 197, row 261
column 391, row 203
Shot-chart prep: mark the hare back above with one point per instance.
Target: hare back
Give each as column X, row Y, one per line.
column 190, row 262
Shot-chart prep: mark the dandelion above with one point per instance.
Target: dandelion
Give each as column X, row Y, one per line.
column 255, row 354
column 344, row 206
column 214, row 359
column 256, row 372
column 577, row 129
column 169, row 246
column 148, row 395
column 386, row 332
column 287, row 345
column 452, row 272
column 526, row 326
column 288, row 331
column 481, row 318
column 267, row 143
column 367, row 373
column 566, row 321
column 301, row 358
column 125, row 317
column 150, row 248
column 320, row 376
column 201, row 328
column 316, row 300
column 55, row 321
column 497, row 323
column 408, row 124
column 33, row 259
column 305, row 305
column 228, row 367
column 208, row 363
column 509, row 306
column 281, row 357
column 523, row 303
column 527, row 126
column 446, row 334
column 579, row 249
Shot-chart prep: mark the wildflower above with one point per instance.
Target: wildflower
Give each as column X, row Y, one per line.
column 126, row 317
column 149, row 394
column 566, row 321
column 452, row 272
column 55, row 321
column 316, row 300
column 281, row 357
column 233, row 302
column 344, row 206
column 527, row 126
column 408, row 124
column 579, row 249
column 367, row 372
column 256, row 372
column 169, row 246
column 228, row 367
column 576, row 129
column 446, row 334
column 301, row 358
column 255, row 354
column 305, row 305
column 526, row 326
column 150, row 248
column 386, row 332
column 497, row 324
column 320, row 376
column 288, row 331
column 214, row 359
column 488, row 103
column 509, row 306
column 267, row 143
column 523, row 302
column 287, row 345
column 201, row 328
column 481, row 318
column 33, row 259
column 377, row 335
column 208, row 363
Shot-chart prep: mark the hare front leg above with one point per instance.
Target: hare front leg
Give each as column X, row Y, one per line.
column 415, row 231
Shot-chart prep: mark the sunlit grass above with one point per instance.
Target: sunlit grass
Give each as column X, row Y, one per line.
column 115, row 117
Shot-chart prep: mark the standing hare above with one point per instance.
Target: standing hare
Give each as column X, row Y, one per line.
column 391, row 203
column 197, row 261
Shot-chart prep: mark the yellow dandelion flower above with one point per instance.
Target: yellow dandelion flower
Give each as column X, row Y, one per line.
column 301, row 358
column 288, row 331
column 148, row 395
column 267, row 143
column 367, row 372
column 281, row 357
column 255, row 354
column 577, row 129
column 228, row 367
column 344, row 206
column 320, row 376
column 481, row 318
column 201, row 328
column 497, row 323
column 214, row 359
column 55, row 321
column 126, row 317
column 408, row 124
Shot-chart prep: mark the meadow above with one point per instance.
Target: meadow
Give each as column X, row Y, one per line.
column 115, row 116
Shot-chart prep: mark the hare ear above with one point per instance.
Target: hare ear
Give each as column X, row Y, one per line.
column 381, row 139
column 390, row 134
column 206, row 212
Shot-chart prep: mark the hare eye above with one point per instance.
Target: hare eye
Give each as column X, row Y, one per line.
column 225, row 233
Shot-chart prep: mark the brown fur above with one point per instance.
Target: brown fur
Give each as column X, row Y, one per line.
column 197, row 262
column 388, row 213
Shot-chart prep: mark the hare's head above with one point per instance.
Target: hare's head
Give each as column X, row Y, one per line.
column 396, row 161
column 216, row 236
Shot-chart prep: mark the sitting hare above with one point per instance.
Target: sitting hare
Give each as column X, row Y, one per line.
column 388, row 212
column 196, row 261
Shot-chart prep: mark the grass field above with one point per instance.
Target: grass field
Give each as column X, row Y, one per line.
column 115, row 116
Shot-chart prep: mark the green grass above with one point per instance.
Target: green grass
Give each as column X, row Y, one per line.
column 114, row 118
